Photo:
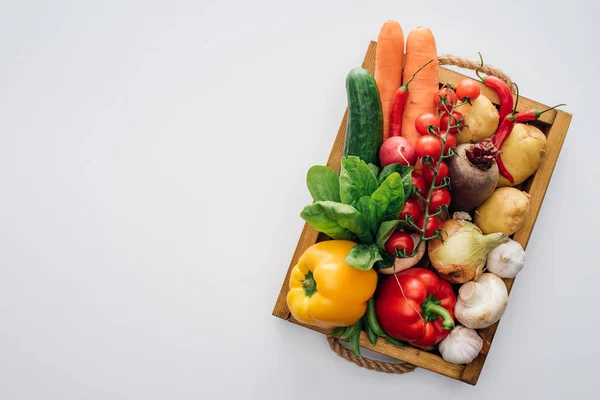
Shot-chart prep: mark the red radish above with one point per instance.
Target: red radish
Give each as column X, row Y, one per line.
column 397, row 150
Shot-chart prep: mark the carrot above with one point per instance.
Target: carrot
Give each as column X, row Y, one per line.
column 420, row 48
column 388, row 67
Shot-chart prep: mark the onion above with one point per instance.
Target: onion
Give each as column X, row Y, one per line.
column 463, row 253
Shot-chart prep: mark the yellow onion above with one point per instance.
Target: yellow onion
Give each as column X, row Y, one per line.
column 463, row 253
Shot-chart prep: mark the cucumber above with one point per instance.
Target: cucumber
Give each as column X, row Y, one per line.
column 364, row 129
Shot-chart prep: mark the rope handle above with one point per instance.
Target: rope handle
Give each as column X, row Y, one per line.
column 449, row 59
column 374, row 365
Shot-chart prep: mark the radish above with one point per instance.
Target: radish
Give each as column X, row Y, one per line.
column 473, row 173
column 397, row 150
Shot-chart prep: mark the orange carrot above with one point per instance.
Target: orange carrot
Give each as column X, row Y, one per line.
column 420, row 48
column 388, row 67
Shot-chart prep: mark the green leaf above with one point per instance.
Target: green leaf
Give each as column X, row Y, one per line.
column 367, row 208
column 404, row 171
column 389, row 197
column 386, row 262
column 336, row 220
column 363, row 257
column 386, row 229
column 374, row 168
column 356, row 180
column 323, row 184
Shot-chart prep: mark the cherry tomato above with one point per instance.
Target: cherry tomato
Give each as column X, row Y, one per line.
column 439, row 197
column 428, row 172
column 467, row 88
column 418, row 182
column 444, row 99
column 433, row 224
column 456, row 116
column 450, row 143
column 411, row 207
column 429, row 146
column 423, row 121
column 399, row 240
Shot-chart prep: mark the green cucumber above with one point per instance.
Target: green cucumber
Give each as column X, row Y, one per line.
column 364, row 129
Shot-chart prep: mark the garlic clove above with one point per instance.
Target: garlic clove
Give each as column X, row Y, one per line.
column 461, row 346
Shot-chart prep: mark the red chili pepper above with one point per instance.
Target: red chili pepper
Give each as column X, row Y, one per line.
column 398, row 105
column 417, row 306
column 533, row 114
column 505, row 128
column 502, row 169
column 501, row 88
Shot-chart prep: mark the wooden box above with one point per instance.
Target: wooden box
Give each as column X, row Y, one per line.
column 554, row 124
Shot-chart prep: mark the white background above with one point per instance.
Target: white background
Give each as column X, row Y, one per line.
column 152, row 170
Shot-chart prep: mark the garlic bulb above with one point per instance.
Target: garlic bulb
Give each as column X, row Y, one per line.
column 506, row 260
column 481, row 302
column 400, row 264
column 461, row 346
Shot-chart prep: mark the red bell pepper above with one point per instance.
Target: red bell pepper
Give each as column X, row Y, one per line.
column 417, row 307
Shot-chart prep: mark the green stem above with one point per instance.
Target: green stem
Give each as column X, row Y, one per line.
column 432, row 310
column 309, row 284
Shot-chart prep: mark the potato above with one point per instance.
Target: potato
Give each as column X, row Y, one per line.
column 482, row 119
column 522, row 153
column 504, row 211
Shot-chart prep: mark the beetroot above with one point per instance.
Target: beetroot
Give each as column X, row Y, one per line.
column 474, row 174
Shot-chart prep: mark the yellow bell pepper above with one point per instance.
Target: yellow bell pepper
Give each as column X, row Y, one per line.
column 325, row 291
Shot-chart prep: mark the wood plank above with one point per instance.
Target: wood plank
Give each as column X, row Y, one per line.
column 412, row 355
column 308, row 237
column 448, row 76
column 539, row 185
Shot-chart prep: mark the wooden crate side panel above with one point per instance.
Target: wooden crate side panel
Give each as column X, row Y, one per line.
column 412, row 355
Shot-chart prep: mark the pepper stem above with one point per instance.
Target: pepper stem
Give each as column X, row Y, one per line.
column 432, row 310
column 309, row 284
column 538, row 113
column 481, row 66
column 517, row 100
column 405, row 86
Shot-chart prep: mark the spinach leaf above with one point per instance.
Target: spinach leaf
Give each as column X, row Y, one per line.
column 389, row 197
column 363, row 257
column 386, row 229
column 336, row 220
column 323, row 183
column 356, row 180
column 367, row 208
column 386, row 261
column 374, row 168
column 404, row 171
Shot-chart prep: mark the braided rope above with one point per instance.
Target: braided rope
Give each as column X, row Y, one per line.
column 448, row 59
column 367, row 363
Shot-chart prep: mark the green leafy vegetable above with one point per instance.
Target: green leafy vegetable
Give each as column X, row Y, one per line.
column 386, row 229
column 363, row 257
column 404, row 171
column 336, row 220
column 389, row 197
column 386, row 262
column 367, row 208
column 356, row 180
column 323, row 184
column 374, row 168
